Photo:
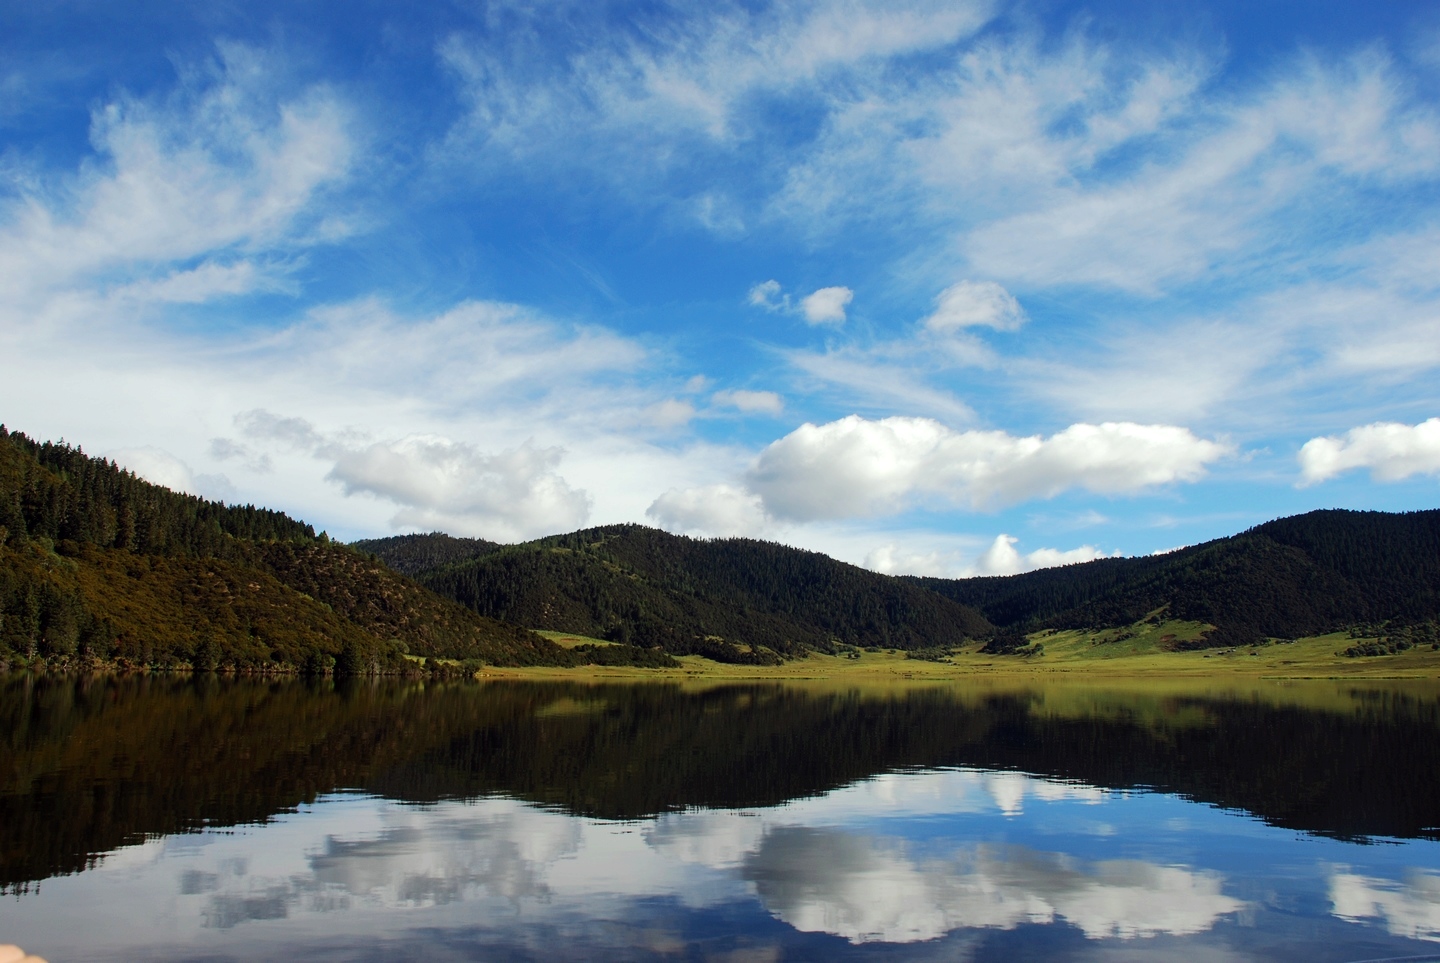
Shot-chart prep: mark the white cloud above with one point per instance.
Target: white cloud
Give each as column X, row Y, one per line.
column 764, row 402
column 1001, row 558
column 157, row 466
column 1391, row 451
column 199, row 284
column 1317, row 128
column 671, row 413
column 826, row 306
column 226, row 166
column 767, row 295
column 975, row 304
column 441, row 484
column 894, row 559
column 881, row 379
column 1132, row 372
column 695, row 79
column 715, row 510
column 856, row 467
column 160, row 467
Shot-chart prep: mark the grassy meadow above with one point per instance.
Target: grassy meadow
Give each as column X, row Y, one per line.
column 1141, row 652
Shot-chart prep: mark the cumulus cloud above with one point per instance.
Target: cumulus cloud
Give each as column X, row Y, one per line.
column 826, row 306
column 1001, row 558
column 896, row 560
column 763, row 402
column 1391, row 451
column 716, row 510
column 438, row 483
column 447, row 485
column 858, row 467
column 971, row 304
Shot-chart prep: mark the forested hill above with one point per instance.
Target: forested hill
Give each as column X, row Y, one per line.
column 1292, row 577
column 413, row 554
column 730, row 599
column 97, row 564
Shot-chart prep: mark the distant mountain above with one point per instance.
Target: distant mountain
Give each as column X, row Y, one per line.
column 98, row 564
column 413, row 554
column 1299, row 576
column 736, row 599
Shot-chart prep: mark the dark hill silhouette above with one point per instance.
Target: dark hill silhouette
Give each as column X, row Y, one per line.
column 1303, row 575
column 733, row 599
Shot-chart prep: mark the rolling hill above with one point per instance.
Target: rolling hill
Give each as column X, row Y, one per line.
column 99, row 566
column 1306, row 575
column 733, row 600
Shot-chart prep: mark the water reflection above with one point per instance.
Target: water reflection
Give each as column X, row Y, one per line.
column 1410, row 907
column 757, row 821
column 836, row 865
column 870, row 889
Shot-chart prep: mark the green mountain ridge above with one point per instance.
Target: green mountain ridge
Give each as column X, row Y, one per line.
column 100, row 566
column 1304, row 575
column 732, row 600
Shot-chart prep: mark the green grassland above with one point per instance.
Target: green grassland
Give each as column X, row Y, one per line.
column 1145, row 650
column 569, row 640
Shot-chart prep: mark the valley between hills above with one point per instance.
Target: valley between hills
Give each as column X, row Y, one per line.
column 103, row 571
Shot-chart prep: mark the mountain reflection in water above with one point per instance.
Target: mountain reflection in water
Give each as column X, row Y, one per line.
column 646, row 821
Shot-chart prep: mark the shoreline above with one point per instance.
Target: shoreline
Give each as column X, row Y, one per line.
column 1316, row 659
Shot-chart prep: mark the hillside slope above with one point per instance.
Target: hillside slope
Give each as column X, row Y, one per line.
column 96, row 563
column 1300, row 576
column 730, row 599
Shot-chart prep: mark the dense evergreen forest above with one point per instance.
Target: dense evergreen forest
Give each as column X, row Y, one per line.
column 100, row 566
column 413, row 554
column 1305, row 575
column 732, row 600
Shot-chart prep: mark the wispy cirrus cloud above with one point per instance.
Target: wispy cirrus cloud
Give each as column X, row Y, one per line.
column 226, row 169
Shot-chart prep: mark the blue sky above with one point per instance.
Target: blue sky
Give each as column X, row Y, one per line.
column 947, row 288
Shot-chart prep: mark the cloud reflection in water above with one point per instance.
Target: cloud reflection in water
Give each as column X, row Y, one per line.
column 822, row 865
column 1410, row 908
column 869, row 888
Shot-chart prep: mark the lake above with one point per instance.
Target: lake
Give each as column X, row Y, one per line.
column 208, row 819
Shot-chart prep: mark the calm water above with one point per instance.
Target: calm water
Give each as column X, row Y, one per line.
column 210, row 820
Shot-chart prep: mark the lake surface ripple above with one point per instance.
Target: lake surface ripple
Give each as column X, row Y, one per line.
column 206, row 819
